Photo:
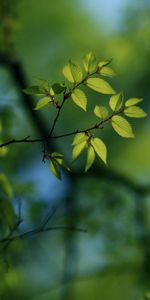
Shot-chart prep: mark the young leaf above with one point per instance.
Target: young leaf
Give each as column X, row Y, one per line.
column 90, row 62
column 104, row 63
column 62, row 163
column 34, row 90
column 76, row 72
column 100, row 86
column 100, row 148
column 107, row 71
column 122, row 127
column 116, row 102
column 135, row 112
column 56, row 155
column 90, row 158
column 67, row 73
column 79, row 98
column 58, row 158
column 101, row 112
column 55, row 169
column 133, row 101
column 78, row 149
column 57, row 88
column 79, row 138
column 72, row 72
column 42, row 103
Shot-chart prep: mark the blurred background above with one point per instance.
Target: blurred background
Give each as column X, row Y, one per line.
column 112, row 260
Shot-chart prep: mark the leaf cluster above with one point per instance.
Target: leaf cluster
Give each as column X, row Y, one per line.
column 92, row 75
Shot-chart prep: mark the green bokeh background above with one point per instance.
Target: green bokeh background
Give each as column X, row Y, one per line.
column 109, row 262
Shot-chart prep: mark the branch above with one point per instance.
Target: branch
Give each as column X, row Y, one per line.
column 41, row 230
column 46, row 138
column 66, row 96
column 18, row 75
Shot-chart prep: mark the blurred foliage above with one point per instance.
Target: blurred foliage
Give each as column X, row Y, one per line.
column 112, row 260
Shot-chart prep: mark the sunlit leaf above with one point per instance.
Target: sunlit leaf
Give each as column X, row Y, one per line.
column 57, row 88
column 76, row 72
column 67, row 73
column 133, row 101
column 34, row 90
column 100, row 86
column 100, row 148
column 101, row 112
column 55, row 169
column 122, row 127
column 42, row 103
column 116, row 102
column 79, row 98
column 90, row 62
column 78, row 149
column 56, row 155
column 107, row 71
column 72, row 72
column 135, row 112
column 6, row 186
column 90, row 158
column 104, row 63
column 79, row 138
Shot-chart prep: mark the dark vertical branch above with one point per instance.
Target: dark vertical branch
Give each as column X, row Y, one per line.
column 20, row 80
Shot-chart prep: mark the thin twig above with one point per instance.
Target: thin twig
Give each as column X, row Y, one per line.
column 48, row 217
column 41, row 230
column 38, row 140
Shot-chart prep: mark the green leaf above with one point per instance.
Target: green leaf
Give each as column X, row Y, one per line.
column 55, row 169
column 58, row 158
column 133, row 101
column 76, row 72
column 79, row 138
column 34, row 90
column 116, row 102
column 101, row 112
column 56, row 155
column 62, row 163
column 6, row 186
column 72, row 72
column 78, row 149
column 104, row 63
column 122, row 127
column 100, row 86
column 100, row 148
column 107, row 71
column 42, row 103
column 90, row 62
column 67, row 73
column 57, row 88
column 79, row 98
column 90, row 158
column 135, row 112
